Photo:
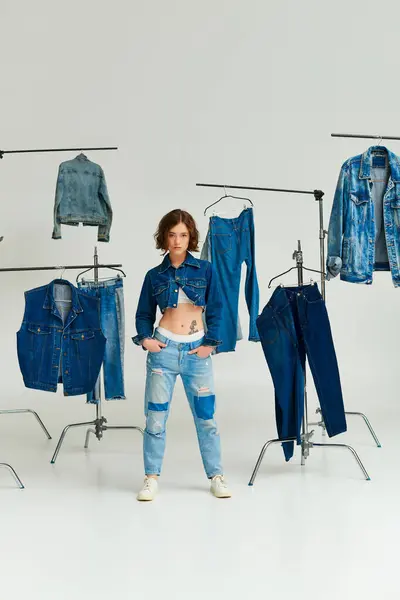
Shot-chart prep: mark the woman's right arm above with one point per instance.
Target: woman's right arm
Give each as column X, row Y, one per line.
column 146, row 312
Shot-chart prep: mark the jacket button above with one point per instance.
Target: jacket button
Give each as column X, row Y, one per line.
column 65, row 354
column 66, row 372
column 65, row 393
column 65, row 337
column 176, row 290
column 174, row 304
column 38, row 328
column 83, row 337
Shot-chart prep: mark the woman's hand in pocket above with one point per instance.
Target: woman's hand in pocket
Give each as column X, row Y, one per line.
column 153, row 345
column 202, row 351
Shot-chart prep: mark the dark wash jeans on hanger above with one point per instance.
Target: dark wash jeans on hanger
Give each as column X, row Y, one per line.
column 229, row 242
column 112, row 318
column 292, row 325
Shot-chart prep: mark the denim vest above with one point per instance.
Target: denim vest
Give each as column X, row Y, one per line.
column 364, row 228
column 161, row 288
column 82, row 197
column 60, row 339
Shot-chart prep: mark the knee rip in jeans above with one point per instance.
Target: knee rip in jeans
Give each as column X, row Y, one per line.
column 204, row 404
column 155, row 422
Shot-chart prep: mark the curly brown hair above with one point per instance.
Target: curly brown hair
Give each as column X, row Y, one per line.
column 174, row 217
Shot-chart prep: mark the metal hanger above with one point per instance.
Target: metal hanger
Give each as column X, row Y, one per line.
column 112, row 268
column 81, row 153
column 227, row 196
column 292, row 269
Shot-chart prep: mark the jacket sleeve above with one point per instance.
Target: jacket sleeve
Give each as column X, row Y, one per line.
column 213, row 310
column 335, row 231
column 59, row 193
column 104, row 230
column 146, row 312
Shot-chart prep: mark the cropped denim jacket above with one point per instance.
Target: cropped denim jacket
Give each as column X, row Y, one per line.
column 82, row 197
column 161, row 287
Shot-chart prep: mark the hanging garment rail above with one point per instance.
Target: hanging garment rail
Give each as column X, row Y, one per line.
column 363, row 136
column 29, row 151
column 260, row 189
column 60, row 268
column 318, row 196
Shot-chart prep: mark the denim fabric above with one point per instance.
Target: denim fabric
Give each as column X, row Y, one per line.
column 161, row 288
column 60, row 339
column 82, row 197
column 292, row 325
column 230, row 242
column 364, row 227
column 112, row 318
column 206, row 255
column 197, row 377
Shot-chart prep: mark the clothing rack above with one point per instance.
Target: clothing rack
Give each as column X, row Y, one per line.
column 306, row 443
column 30, row 151
column 99, row 423
column 363, row 136
column 318, row 196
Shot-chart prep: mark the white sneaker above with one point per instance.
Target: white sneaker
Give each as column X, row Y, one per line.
column 219, row 487
column 149, row 490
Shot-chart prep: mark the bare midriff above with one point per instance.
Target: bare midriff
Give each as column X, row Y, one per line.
column 185, row 319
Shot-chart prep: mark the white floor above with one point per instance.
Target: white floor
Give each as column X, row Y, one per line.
column 77, row 532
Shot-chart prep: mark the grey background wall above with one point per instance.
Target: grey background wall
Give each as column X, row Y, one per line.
column 235, row 92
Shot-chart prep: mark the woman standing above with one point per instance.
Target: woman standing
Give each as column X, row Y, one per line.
column 182, row 287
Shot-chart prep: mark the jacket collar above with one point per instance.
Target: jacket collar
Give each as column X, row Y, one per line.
column 366, row 162
column 49, row 301
column 190, row 260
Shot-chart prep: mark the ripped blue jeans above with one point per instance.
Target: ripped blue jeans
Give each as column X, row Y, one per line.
column 197, row 377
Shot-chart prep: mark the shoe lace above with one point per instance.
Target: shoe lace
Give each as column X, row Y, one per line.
column 147, row 484
column 221, row 480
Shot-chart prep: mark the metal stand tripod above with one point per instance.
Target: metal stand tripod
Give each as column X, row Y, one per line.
column 99, row 423
column 306, row 443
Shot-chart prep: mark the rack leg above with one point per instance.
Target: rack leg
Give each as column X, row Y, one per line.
column 14, row 474
column 321, row 423
column 106, row 427
column 64, row 432
column 261, row 456
column 28, row 410
column 89, row 431
column 360, row 464
column 368, row 424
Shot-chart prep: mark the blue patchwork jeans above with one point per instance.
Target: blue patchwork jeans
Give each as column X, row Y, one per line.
column 197, row 377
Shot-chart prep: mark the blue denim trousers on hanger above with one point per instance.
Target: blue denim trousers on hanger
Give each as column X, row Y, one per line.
column 112, row 319
column 295, row 324
column 197, row 376
column 229, row 242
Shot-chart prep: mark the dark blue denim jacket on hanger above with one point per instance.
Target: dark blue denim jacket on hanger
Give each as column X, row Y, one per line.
column 161, row 286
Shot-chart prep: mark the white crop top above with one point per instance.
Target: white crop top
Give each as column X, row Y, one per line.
column 182, row 298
